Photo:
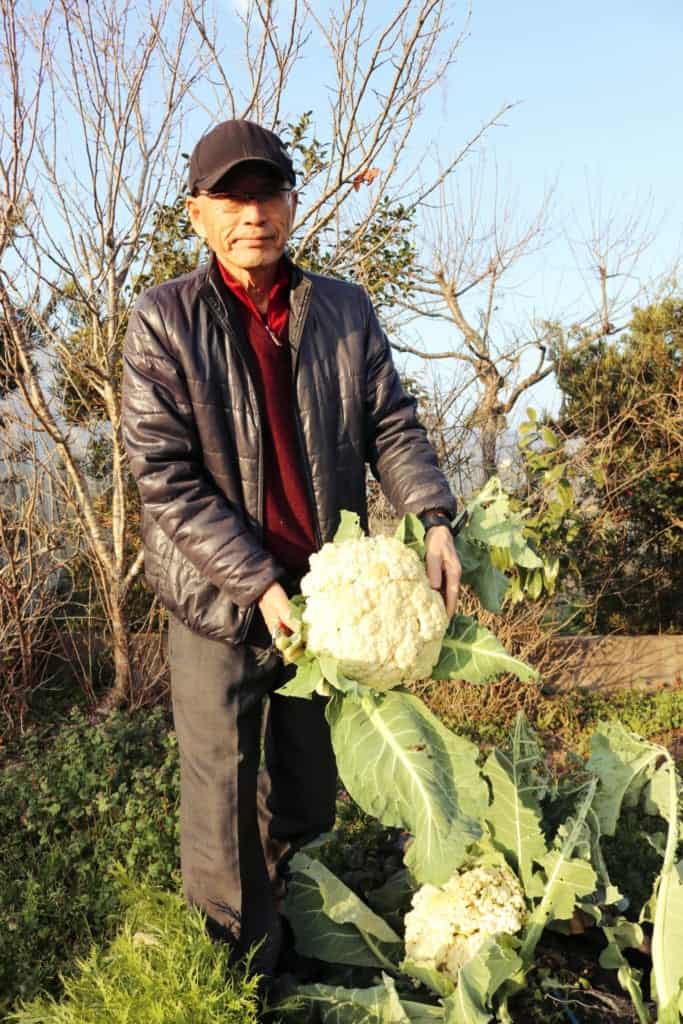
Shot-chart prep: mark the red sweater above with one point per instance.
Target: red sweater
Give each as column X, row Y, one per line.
column 288, row 531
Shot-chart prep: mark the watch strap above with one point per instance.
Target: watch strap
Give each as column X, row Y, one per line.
column 440, row 517
column 435, row 517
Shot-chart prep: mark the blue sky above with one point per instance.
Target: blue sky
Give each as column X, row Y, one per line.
column 600, row 92
column 600, row 85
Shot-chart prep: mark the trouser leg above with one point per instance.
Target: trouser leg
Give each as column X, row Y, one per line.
column 217, row 693
column 302, row 770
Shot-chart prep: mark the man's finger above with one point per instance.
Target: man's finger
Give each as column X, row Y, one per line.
column 433, row 565
column 452, row 588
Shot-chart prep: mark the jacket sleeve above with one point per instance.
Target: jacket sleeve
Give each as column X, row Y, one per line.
column 399, row 452
column 163, row 446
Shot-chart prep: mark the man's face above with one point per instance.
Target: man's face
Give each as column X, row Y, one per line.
column 248, row 228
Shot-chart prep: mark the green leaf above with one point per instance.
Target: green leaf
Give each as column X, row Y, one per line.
column 598, row 476
column 495, row 526
column 488, row 583
column 471, row 652
column 411, row 531
column 349, row 527
column 491, row 519
column 611, row 895
column 565, row 879
column 667, row 934
column 551, row 476
column 305, row 680
column 377, row 1005
column 331, row 923
column 534, row 586
column 392, row 900
column 478, row 981
column 329, row 668
column 624, row 934
column 470, row 554
column 657, row 794
column 515, row 812
column 623, row 763
column 434, row 979
column 571, row 879
column 550, row 438
column 524, row 555
column 403, row 766
column 565, row 494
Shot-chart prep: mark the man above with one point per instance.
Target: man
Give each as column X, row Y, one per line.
column 255, row 394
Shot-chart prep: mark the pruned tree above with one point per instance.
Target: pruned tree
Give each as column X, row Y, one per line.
column 476, row 248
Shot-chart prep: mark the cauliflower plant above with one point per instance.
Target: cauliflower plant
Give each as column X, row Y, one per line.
column 369, row 605
column 450, row 923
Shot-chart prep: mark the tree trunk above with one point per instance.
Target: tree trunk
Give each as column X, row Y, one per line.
column 490, row 418
column 489, row 445
column 120, row 691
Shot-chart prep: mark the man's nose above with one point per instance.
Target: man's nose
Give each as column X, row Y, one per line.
column 254, row 209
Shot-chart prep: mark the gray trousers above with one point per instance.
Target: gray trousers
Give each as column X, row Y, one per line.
column 238, row 825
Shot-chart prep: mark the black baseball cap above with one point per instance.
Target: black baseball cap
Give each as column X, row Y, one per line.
column 235, row 142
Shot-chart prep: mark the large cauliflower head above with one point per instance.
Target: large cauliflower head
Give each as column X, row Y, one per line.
column 450, row 923
column 369, row 605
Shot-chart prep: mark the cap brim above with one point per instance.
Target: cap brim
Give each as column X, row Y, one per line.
column 211, row 180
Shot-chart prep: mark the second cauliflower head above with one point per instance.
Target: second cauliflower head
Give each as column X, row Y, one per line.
column 450, row 923
column 369, row 605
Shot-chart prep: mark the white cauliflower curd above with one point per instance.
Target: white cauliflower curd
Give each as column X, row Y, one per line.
column 369, row 605
column 450, row 923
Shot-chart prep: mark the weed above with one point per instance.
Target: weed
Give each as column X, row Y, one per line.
column 161, row 966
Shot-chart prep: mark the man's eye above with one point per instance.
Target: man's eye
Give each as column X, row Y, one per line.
column 246, row 197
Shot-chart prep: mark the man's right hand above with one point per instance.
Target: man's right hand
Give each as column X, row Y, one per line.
column 274, row 607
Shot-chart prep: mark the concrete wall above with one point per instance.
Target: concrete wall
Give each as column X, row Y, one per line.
column 616, row 662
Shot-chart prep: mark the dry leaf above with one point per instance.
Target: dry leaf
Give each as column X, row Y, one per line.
column 365, row 177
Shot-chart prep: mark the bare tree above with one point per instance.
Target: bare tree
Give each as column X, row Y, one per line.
column 30, row 566
column 476, row 247
column 94, row 120
column 96, row 146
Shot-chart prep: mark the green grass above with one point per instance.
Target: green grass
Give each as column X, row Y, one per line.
column 564, row 722
column 161, row 968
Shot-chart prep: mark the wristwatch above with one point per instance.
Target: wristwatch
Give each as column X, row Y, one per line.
column 439, row 517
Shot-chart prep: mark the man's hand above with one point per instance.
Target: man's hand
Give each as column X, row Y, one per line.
column 274, row 607
column 443, row 565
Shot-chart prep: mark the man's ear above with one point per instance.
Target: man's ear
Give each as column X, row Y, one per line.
column 194, row 211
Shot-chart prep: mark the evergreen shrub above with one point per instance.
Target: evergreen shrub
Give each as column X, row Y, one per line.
column 71, row 809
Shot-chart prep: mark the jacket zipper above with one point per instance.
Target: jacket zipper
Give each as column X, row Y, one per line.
column 300, row 432
column 216, row 305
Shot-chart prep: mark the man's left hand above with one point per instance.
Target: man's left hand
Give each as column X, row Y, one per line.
column 443, row 565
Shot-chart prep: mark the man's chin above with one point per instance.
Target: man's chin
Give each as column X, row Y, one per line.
column 254, row 259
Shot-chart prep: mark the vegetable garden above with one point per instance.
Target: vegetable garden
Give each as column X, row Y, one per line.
column 496, row 854
column 465, row 882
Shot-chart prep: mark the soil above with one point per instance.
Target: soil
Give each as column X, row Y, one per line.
column 568, row 985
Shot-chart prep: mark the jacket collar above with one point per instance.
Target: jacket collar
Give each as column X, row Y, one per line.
column 214, row 292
